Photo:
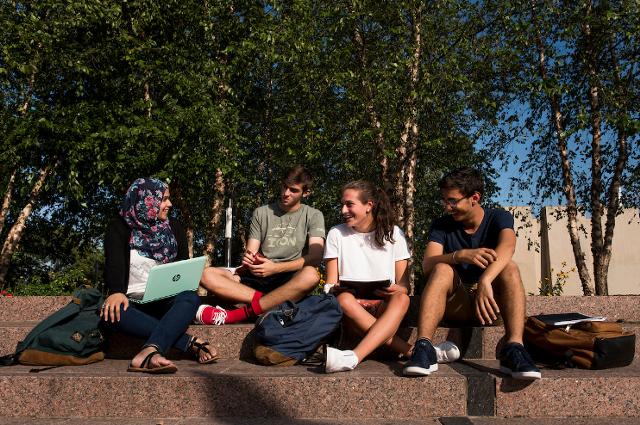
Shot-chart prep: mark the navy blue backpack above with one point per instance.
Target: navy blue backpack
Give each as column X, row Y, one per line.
column 292, row 332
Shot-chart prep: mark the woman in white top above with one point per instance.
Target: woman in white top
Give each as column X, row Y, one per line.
column 368, row 247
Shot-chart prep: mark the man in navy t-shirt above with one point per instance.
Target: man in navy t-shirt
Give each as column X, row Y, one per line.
column 472, row 278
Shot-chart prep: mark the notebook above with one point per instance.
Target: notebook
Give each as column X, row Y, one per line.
column 167, row 280
column 365, row 289
column 563, row 319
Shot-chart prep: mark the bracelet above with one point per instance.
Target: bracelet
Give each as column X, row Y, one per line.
column 453, row 257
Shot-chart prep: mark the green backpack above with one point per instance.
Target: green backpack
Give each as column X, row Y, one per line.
column 68, row 337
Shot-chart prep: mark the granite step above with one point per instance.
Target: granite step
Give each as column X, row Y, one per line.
column 566, row 392
column 236, row 341
column 18, row 315
column 232, row 390
column 456, row 420
column 615, row 307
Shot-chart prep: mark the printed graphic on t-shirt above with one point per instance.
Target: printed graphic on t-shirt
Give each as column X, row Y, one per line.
column 281, row 236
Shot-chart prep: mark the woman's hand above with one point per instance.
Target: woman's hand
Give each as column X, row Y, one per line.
column 336, row 289
column 111, row 307
column 391, row 290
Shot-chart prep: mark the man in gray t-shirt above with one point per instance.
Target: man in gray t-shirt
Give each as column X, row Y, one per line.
column 285, row 245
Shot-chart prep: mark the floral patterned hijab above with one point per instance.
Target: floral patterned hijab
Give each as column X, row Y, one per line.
column 150, row 236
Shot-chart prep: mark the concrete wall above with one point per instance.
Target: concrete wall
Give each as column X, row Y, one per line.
column 544, row 250
column 527, row 254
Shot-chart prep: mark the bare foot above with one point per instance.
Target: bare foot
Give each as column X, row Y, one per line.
column 204, row 352
column 155, row 362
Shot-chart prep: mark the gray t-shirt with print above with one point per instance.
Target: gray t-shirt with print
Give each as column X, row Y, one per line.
column 284, row 236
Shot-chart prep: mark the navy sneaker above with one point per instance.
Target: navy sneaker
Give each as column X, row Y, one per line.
column 423, row 359
column 515, row 361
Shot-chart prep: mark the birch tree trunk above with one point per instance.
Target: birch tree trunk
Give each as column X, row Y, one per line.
column 187, row 216
column 15, row 233
column 568, row 186
column 215, row 215
column 147, row 97
column 613, row 194
column 596, row 191
column 372, row 113
column 408, row 149
column 6, row 200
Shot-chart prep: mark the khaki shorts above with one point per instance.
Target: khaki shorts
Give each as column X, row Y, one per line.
column 460, row 307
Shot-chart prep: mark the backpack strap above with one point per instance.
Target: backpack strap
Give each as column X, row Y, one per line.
column 8, row 360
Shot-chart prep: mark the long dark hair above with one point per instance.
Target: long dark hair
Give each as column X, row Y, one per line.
column 383, row 216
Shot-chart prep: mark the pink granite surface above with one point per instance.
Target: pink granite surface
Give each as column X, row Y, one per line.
column 231, row 341
column 626, row 307
column 609, row 420
column 14, row 309
column 235, row 341
column 614, row 307
column 223, row 421
column 570, row 392
column 230, row 389
column 464, row 420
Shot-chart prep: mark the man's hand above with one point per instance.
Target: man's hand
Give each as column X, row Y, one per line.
column 480, row 257
column 247, row 259
column 486, row 306
column 251, row 258
column 111, row 307
column 263, row 268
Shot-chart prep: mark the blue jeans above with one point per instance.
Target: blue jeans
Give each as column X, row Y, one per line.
column 162, row 323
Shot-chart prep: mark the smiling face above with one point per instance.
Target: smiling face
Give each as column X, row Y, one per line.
column 356, row 214
column 165, row 206
column 459, row 206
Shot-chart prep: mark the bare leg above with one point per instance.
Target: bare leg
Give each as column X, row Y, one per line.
column 364, row 322
column 511, row 300
column 378, row 331
column 300, row 285
column 434, row 299
column 221, row 283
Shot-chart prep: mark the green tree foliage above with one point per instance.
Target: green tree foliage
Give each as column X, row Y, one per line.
column 572, row 72
column 218, row 98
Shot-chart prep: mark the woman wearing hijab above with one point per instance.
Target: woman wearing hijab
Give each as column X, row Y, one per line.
column 140, row 238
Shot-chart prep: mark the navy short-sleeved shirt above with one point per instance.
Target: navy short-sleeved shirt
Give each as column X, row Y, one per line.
column 450, row 234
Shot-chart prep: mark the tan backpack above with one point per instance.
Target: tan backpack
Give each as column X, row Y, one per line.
column 587, row 345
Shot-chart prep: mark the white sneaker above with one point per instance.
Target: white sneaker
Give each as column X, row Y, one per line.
column 218, row 317
column 340, row 361
column 447, row 352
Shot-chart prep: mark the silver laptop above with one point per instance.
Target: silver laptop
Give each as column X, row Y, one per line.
column 167, row 280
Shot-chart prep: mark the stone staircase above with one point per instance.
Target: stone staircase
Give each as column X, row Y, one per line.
column 235, row 390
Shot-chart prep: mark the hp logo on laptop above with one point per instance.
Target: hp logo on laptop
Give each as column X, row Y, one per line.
column 176, row 278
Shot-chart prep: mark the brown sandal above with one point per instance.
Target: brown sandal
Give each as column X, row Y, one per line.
column 144, row 366
column 202, row 346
